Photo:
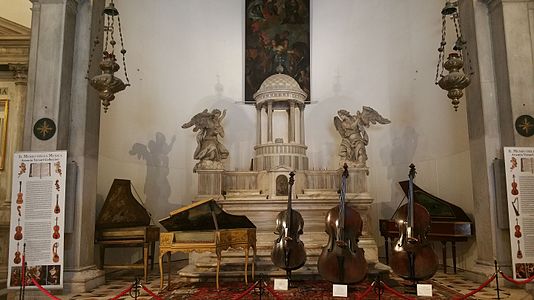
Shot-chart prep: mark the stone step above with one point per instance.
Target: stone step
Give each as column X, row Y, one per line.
column 230, row 272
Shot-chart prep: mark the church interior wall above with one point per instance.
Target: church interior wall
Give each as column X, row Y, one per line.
column 186, row 56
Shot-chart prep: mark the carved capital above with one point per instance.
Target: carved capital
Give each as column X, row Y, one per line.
column 20, row 73
column 72, row 6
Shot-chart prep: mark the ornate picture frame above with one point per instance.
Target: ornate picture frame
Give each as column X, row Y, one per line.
column 277, row 40
column 4, row 109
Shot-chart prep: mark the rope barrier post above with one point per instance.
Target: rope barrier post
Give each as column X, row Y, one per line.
column 497, row 279
column 261, row 282
column 135, row 291
column 378, row 288
column 378, row 279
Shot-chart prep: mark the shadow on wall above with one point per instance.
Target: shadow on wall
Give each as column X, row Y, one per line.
column 157, row 188
column 404, row 143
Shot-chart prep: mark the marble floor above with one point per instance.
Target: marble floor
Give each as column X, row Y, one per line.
column 117, row 281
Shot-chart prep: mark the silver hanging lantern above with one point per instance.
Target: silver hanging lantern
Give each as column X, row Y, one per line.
column 456, row 80
column 106, row 83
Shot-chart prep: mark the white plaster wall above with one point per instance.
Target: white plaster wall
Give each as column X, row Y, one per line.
column 185, row 56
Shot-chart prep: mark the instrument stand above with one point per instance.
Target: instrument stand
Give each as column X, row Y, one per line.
column 289, row 280
column 410, row 288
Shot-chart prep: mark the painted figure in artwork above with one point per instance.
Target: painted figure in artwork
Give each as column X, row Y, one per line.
column 354, row 137
column 210, row 152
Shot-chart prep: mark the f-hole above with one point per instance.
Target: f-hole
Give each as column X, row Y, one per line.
column 281, row 185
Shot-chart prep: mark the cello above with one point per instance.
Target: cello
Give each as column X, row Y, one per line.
column 413, row 257
column 341, row 260
column 288, row 251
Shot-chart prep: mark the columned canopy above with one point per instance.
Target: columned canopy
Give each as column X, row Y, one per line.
column 280, row 92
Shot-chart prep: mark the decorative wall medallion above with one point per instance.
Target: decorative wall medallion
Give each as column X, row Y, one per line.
column 525, row 125
column 44, row 129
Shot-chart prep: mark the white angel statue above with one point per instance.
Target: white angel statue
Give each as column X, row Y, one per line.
column 210, row 152
column 354, row 138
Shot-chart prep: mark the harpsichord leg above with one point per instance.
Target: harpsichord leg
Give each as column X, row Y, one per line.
column 246, row 265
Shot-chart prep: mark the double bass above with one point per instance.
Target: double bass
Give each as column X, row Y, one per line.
column 413, row 257
column 288, row 252
column 341, row 260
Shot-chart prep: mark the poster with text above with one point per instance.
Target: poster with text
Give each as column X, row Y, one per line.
column 37, row 219
column 519, row 167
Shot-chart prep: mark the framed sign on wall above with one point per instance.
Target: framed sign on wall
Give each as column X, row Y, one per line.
column 277, row 40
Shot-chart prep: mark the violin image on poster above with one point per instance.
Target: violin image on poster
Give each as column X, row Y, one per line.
column 55, row 256
column 514, row 190
column 17, row 259
column 288, row 251
column 57, row 210
column 341, row 260
column 413, row 257
column 517, row 228
column 18, row 231
column 519, row 253
column 19, row 195
column 56, row 235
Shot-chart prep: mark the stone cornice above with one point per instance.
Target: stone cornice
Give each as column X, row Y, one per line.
column 496, row 2
column 10, row 28
column 492, row 4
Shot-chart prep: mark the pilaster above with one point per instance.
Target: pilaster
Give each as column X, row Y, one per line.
column 57, row 89
column 500, row 41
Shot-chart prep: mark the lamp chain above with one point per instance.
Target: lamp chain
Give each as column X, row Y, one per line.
column 466, row 49
column 123, row 52
column 441, row 49
column 106, row 29
column 95, row 43
column 459, row 39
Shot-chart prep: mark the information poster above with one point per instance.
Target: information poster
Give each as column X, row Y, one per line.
column 37, row 219
column 519, row 167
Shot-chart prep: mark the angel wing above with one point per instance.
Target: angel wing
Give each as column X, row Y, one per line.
column 370, row 115
column 140, row 150
column 199, row 120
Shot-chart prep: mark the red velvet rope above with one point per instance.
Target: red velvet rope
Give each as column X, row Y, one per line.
column 393, row 291
column 156, row 297
column 42, row 289
column 246, row 292
column 126, row 291
column 478, row 289
column 275, row 295
column 517, row 281
column 367, row 291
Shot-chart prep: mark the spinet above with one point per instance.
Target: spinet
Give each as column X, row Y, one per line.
column 449, row 223
column 124, row 222
column 204, row 226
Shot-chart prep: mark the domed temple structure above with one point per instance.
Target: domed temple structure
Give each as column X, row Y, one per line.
column 280, row 92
